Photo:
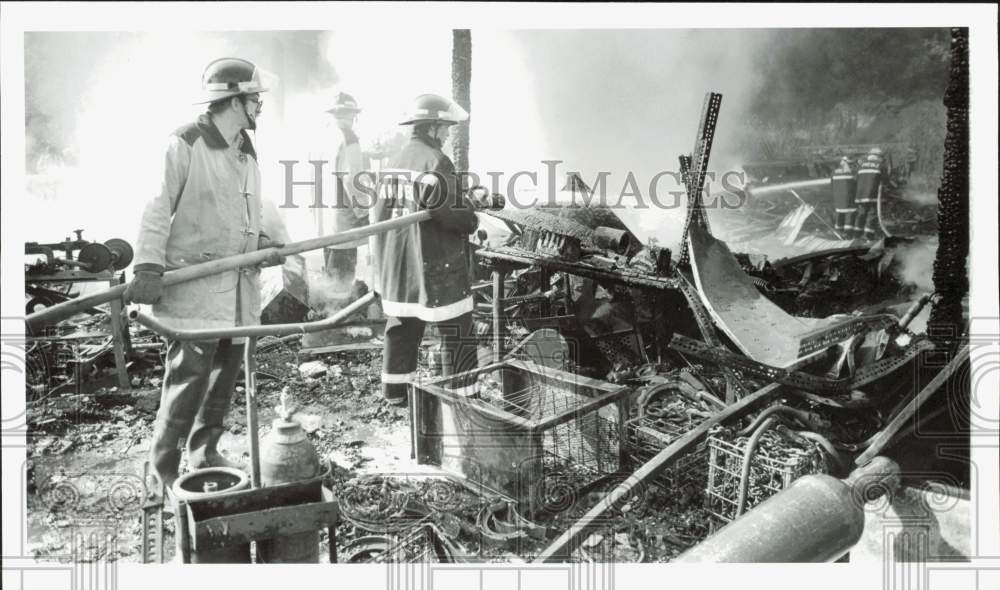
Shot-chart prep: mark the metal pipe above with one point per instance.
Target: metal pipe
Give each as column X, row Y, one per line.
column 253, row 427
column 914, row 309
column 748, row 459
column 816, row 519
column 66, row 309
column 252, row 331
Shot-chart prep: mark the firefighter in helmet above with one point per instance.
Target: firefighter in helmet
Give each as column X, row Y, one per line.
column 872, row 174
column 341, row 261
column 208, row 206
column 423, row 268
column 843, row 187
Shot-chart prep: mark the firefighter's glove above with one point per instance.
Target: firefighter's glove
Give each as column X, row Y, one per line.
column 146, row 287
column 273, row 258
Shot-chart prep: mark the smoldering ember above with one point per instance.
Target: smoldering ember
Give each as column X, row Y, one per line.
column 483, row 345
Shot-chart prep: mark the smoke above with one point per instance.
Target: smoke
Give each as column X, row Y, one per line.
column 622, row 103
column 920, row 197
column 914, row 263
column 618, row 102
column 100, row 107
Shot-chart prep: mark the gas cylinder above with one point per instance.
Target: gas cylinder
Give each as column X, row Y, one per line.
column 203, row 483
column 287, row 456
column 818, row 518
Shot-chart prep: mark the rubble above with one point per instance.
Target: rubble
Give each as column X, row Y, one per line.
column 650, row 333
column 312, row 369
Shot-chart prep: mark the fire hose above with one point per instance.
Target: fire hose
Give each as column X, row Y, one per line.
column 748, row 458
column 66, row 309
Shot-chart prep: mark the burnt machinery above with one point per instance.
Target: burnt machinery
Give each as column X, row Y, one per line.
column 52, row 270
column 91, row 257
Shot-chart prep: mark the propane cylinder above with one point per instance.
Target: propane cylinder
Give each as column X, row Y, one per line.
column 816, row 519
column 204, row 483
column 287, row 456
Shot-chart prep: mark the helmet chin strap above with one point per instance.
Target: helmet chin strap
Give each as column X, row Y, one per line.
column 437, row 140
column 251, row 121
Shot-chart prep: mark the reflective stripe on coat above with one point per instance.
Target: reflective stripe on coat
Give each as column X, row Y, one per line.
column 843, row 186
column 423, row 269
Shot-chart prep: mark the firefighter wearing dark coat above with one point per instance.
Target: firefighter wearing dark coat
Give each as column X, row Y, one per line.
column 423, row 268
column 843, row 187
column 871, row 175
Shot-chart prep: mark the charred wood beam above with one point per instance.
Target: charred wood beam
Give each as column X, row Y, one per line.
column 461, row 87
column 951, row 280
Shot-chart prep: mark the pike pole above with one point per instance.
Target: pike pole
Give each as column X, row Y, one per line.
column 39, row 319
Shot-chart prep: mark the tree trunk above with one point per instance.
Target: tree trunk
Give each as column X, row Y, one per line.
column 461, row 81
column 951, row 281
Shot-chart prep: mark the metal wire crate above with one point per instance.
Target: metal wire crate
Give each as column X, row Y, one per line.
column 520, row 429
column 776, row 463
column 651, row 431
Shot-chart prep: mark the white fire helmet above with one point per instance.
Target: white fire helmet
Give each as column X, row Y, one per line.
column 436, row 108
column 232, row 76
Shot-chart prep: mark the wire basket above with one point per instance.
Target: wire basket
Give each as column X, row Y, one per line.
column 656, row 428
column 776, row 463
column 522, row 430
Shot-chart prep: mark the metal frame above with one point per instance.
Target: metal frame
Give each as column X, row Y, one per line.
column 255, row 515
column 491, row 443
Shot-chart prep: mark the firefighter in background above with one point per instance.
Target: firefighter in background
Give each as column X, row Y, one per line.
column 843, row 187
column 871, row 176
column 423, row 268
column 340, row 262
column 208, row 206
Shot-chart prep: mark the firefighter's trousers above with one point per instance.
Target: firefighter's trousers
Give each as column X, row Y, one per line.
column 867, row 220
column 198, row 386
column 402, row 345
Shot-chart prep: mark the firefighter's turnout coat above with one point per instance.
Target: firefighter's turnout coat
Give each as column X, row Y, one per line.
column 870, row 177
column 348, row 164
column 843, row 188
column 208, row 207
column 422, row 269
